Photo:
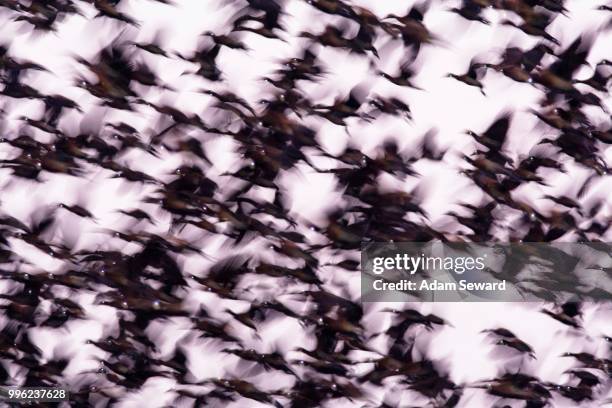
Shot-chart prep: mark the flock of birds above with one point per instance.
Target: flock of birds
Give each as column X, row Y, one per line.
column 187, row 295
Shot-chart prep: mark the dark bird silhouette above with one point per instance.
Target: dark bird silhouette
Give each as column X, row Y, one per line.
column 558, row 77
column 494, row 137
column 472, row 76
column 409, row 317
column 106, row 8
column 410, row 28
column 334, row 37
column 534, row 24
column 471, row 10
column 518, row 386
column 206, row 59
column 569, row 314
column 226, row 41
column 517, row 64
column 269, row 361
column 77, row 210
column 269, row 21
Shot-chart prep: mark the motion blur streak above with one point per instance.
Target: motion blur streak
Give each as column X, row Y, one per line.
column 186, row 185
